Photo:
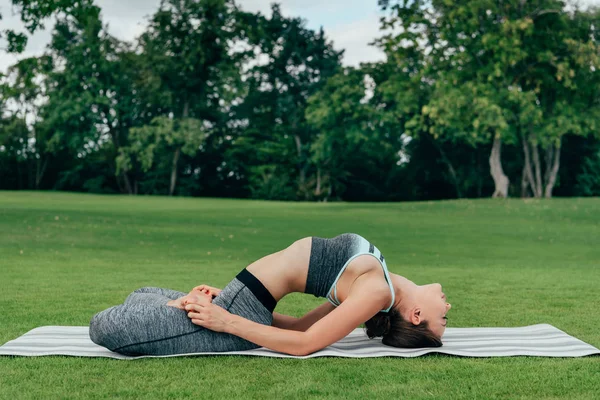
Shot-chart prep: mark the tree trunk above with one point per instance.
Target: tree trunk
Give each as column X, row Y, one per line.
column 553, row 172
column 451, row 169
column 527, row 171
column 524, row 183
column 40, row 171
column 115, row 136
column 329, row 190
column 318, row 188
column 186, row 112
column 127, row 183
column 548, row 160
column 174, row 171
column 453, row 174
column 538, row 171
column 301, row 168
column 500, row 180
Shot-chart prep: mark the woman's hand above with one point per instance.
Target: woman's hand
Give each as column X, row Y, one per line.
column 209, row 316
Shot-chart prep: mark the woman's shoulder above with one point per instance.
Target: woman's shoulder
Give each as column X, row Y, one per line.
column 370, row 277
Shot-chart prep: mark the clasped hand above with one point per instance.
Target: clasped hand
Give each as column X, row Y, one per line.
column 194, row 296
column 198, row 304
column 208, row 315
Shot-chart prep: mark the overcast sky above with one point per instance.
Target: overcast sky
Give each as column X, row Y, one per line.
column 351, row 24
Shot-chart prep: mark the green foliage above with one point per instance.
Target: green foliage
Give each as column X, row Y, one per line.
column 468, row 114
column 477, row 71
column 353, row 135
column 16, row 42
column 298, row 63
column 14, row 138
column 78, row 108
column 89, row 174
column 186, row 46
column 33, row 13
column 466, row 84
column 271, row 182
column 162, row 135
column 588, row 181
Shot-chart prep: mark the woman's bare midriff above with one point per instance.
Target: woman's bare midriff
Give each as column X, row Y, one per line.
column 286, row 271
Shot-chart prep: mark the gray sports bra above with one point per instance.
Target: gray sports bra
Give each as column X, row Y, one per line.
column 364, row 247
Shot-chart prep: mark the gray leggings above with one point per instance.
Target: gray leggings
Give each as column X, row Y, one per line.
column 145, row 325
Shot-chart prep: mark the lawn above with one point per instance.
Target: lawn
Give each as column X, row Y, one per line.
column 64, row 257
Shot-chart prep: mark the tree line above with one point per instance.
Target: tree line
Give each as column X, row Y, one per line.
column 475, row 99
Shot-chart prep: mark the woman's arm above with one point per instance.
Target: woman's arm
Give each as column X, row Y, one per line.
column 360, row 305
column 302, row 324
column 283, row 321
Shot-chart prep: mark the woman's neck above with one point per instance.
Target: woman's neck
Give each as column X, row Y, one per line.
column 405, row 291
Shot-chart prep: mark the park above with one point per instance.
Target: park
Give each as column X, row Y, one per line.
column 468, row 153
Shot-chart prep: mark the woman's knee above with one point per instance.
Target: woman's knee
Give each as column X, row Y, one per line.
column 112, row 328
column 102, row 330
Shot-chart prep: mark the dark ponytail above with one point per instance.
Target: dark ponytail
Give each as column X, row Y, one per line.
column 379, row 325
column 398, row 332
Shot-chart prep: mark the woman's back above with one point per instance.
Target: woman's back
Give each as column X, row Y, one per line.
column 285, row 271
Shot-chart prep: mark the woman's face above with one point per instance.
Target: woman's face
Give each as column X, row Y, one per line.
column 434, row 307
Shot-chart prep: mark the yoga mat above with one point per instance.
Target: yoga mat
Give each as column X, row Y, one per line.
column 541, row 340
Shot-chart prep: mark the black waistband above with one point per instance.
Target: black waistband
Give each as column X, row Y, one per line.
column 259, row 290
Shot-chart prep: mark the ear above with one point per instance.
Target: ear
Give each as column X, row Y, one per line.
column 415, row 316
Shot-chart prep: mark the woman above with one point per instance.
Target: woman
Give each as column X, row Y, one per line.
column 347, row 270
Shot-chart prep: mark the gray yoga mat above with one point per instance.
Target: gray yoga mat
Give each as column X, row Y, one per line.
column 536, row 340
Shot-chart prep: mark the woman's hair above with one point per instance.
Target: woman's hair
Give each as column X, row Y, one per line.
column 398, row 332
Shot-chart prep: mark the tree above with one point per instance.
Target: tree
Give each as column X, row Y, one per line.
column 14, row 152
column 560, row 83
column 588, row 181
column 33, row 13
column 163, row 136
column 27, row 88
column 292, row 63
column 94, row 99
column 507, row 62
column 355, row 148
column 187, row 52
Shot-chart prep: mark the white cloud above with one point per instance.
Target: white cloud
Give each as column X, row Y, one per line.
column 355, row 38
column 126, row 20
column 350, row 24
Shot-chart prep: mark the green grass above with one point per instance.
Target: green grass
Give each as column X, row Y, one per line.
column 64, row 257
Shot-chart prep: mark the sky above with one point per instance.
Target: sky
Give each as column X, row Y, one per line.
column 350, row 24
